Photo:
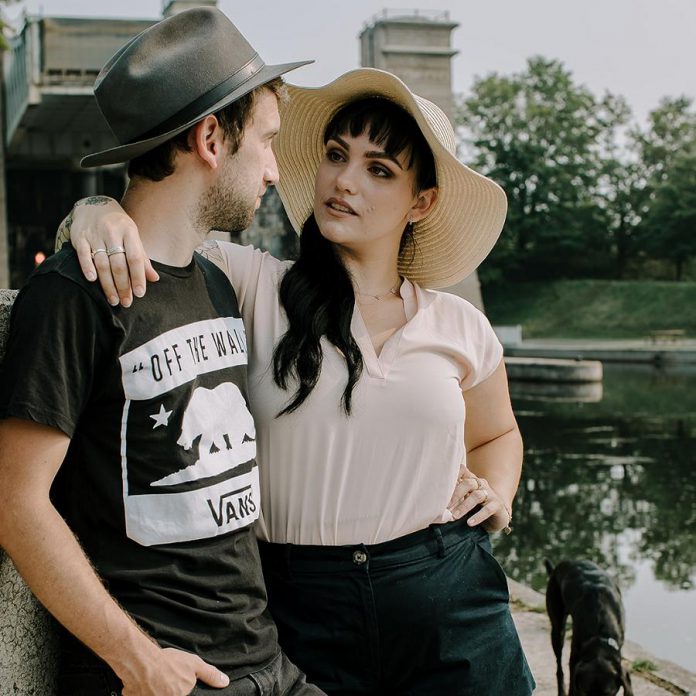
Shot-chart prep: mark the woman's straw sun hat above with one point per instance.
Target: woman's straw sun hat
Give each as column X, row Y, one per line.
column 470, row 210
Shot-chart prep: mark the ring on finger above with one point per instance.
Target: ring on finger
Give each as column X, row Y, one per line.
column 99, row 251
column 479, row 485
column 115, row 250
column 485, row 497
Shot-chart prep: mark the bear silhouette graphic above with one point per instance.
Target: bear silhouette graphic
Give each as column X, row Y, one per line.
column 221, row 419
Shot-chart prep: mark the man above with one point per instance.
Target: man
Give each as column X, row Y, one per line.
column 128, row 483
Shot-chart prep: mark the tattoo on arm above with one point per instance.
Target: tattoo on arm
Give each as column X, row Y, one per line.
column 63, row 234
column 93, row 200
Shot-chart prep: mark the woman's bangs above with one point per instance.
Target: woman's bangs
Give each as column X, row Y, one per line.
column 383, row 121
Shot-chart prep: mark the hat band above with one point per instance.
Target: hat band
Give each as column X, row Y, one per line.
column 204, row 102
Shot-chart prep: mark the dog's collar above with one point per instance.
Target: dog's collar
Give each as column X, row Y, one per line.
column 611, row 642
column 605, row 640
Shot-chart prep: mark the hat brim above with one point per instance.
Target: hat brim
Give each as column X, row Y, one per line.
column 470, row 211
column 124, row 153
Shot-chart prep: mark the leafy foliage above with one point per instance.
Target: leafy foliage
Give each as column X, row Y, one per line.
column 581, row 177
column 535, row 134
column 670, row 224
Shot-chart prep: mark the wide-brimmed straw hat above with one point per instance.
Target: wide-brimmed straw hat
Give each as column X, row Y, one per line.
column 470, row 210
column 172, row 75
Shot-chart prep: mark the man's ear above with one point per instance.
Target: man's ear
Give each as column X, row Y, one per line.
column 424, row 204
column 207, row 140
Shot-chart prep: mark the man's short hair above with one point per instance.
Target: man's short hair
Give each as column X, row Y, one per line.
column 158, row 163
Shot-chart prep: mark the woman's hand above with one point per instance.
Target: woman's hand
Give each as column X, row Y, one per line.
column 471, row 491
column 108, row 246
column 493, row 455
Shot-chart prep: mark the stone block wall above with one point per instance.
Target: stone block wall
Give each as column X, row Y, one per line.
column 28, row 650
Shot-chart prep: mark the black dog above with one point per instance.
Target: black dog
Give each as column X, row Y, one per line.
column 584, row 591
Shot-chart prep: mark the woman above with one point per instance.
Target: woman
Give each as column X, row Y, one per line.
column 360, row 379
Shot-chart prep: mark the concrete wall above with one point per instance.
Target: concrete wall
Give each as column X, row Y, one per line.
column 28, row 650
column 418, row 51
column 73, row 49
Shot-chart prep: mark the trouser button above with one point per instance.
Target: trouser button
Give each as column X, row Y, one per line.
column 359, row 557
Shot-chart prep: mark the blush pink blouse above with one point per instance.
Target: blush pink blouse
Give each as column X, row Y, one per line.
column 390, row 467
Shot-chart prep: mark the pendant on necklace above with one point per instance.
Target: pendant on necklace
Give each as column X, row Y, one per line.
column 379, row 298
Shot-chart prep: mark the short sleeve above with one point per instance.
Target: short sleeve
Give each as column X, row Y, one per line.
column 254, row 275
column 484, row 350
column 56, row 343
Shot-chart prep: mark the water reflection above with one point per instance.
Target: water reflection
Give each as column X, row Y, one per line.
column 612, row 480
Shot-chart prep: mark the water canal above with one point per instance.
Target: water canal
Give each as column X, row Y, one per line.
column 612, row 477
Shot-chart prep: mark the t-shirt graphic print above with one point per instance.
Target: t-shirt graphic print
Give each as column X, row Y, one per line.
column 196, row 485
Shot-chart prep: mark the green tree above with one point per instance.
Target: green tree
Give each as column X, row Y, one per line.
column 671, row 128
column 582, row 180
column 670, row 223
column 664, row 148
column 538, row 134
column 621, row 190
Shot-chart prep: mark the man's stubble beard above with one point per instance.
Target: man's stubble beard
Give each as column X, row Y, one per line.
column 224, row 207
column 225, row 210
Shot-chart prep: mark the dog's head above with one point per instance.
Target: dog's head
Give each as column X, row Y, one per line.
column 601, row 675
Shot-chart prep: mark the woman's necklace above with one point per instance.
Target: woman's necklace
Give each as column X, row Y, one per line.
column 392, row 291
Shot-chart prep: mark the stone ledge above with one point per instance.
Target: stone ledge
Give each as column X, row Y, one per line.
column 28, row 645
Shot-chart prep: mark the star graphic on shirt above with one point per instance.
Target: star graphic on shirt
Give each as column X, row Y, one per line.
column 161, row 418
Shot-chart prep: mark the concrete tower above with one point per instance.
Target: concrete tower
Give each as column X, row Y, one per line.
column 171, row 7
column 416, row 46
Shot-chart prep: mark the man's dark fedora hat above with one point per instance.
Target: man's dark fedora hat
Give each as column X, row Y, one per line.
column 172, row 75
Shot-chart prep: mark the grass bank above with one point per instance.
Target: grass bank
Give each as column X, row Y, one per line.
column 594, row 308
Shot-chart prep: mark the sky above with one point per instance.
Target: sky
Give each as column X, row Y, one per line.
column 641, row 49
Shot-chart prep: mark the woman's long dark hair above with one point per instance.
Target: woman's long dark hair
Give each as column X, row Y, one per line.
column 316, row 292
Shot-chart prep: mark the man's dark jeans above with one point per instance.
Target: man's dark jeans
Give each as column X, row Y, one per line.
column 279, row 678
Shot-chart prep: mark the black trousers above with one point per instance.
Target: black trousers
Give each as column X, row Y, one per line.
column 423, row 615
column 90, row 676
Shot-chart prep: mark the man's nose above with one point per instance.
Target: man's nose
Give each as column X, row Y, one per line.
column 271, row 175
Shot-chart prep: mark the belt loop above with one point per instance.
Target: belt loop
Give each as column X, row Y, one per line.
column 441, row 550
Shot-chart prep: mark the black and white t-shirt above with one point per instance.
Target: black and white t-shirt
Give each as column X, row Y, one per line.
column 160, row 483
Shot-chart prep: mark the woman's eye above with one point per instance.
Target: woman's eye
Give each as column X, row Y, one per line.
column 379, row 170
column 334, row 156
